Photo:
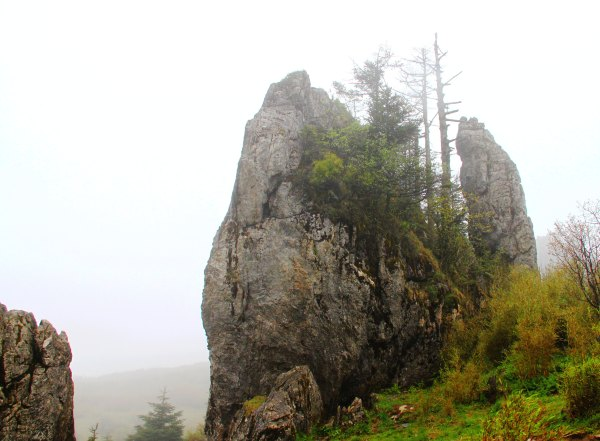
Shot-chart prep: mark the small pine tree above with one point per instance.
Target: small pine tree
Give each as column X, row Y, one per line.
column 93, row 433
column 162, row 423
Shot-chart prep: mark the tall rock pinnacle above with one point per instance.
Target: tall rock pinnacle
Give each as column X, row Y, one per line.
column 286, row 287
column 495, row 197
column 36, row 389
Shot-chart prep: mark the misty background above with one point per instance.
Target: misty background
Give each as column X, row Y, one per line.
column 121, row 124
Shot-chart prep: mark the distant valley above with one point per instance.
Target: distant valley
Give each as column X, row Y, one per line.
column 115, row 401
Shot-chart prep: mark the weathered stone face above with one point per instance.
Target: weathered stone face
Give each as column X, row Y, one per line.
column 285, row 287
column 36, row 389
column 292, row 407
column 495, row 198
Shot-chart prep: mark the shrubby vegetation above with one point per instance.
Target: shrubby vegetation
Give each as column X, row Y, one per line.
column 520, row 418
column 576, row 245
column 373, row 176
column 354, row 177
column 526, row 365
column 581, row 388
column 196, row 435
column 522, row 360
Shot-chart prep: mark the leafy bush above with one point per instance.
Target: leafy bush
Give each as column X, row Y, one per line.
column 536, row 344
column 520, row 418
column 581, row 388
column 500, row 334
column 524, row 319
column 361, row 178
column 464, row 385
column 327, row 170
column 582, row 331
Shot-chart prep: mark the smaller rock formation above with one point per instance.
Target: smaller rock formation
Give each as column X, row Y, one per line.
column 352, row 414
column 293, row 406
column 36, row 389
column 495, row 198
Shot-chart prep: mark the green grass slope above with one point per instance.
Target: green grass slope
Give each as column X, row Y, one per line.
column 423, row 414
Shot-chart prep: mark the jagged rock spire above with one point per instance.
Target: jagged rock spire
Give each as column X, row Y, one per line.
column 36, row 389
column 286, row 287
column 495, row 198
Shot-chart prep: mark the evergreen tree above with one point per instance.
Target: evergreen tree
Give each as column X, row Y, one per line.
column 371, row 173
column 93, row 433
column 162, row 423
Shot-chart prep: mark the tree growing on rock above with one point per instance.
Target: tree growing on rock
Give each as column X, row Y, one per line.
column 375, row 167
column 162, row 423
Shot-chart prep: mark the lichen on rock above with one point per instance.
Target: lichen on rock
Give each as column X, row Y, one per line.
column 36, row 389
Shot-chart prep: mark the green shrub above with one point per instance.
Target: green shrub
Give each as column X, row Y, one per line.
column 520, row 418
column 524, row 317
column 581, row 388
column 464, row 385
column 461, row 341
column 327, row 170
column 534, row 349
column 496, row 340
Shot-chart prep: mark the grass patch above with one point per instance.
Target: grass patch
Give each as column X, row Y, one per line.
column 253, row 403
column 427, row 414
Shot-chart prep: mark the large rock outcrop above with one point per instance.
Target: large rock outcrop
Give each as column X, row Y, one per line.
column 285, row 287
column 36, row 389
column 495, row 198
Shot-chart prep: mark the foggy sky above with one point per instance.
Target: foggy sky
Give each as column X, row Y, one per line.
column 121, row 124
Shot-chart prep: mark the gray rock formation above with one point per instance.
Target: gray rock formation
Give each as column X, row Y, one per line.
column 292, row 407
column 495, row 198
column 285, row 287
column 36, row 389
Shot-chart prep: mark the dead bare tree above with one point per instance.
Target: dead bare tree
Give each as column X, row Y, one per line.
column 443, row 112
column 415, row 78
column 576, row 246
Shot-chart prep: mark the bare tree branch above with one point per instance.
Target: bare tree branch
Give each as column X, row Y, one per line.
column 576, row 246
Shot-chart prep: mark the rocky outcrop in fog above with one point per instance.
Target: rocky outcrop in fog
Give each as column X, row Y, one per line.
column 36, row 390
column 285, row 287
column 495, row 198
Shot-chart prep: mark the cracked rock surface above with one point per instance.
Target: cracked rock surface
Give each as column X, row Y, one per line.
column 36, row 389
column 286, row 287
column 292, row 407
column 495, row 198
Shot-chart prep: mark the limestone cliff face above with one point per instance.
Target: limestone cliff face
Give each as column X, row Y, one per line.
column 36, row 389
column 492, row 186
column 285, row 287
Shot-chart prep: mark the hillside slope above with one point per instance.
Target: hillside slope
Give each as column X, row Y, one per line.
column 115, row 401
